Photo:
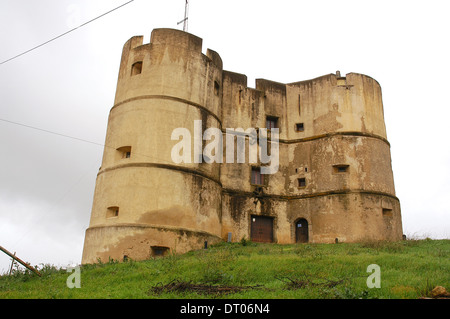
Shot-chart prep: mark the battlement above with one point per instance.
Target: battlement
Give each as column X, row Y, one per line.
column 163, row 38
column 327, row 104
column 172, row 60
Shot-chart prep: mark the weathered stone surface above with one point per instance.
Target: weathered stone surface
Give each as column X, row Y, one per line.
column 439, row 291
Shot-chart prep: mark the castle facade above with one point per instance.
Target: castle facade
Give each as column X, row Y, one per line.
column 333, row 183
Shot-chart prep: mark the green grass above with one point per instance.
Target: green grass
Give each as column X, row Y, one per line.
column 409, row 269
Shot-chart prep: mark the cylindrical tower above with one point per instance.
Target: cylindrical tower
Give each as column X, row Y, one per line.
column 144, row 203
column 343, row 156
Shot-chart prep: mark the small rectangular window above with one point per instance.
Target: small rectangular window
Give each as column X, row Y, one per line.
column 257, row 178
column 271, row 122
column 340, row 168
column 301, row 182
column 124, row 152
column 387, row 212
column 136, row 68
column 159, row 251
column 112, row 211
column 299, row 127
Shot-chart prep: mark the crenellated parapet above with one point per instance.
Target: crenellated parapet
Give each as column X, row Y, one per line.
column 171, row 65
column 324, row 105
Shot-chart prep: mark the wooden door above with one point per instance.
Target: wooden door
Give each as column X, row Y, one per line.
column 261, row 229
column 301, row 231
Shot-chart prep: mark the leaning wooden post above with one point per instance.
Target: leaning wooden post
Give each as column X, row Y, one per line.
column 20, row 261
column 12, row 265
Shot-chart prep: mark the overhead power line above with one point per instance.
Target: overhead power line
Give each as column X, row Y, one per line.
column 152, row 157
column 67, row 32
column 51, row 132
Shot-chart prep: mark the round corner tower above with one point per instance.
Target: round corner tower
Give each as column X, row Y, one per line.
column 343, row 154
column 145, row 204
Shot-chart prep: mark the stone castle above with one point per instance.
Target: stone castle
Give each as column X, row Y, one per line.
column 334, row 182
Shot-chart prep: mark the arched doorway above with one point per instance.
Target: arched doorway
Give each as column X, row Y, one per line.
column 301, row 231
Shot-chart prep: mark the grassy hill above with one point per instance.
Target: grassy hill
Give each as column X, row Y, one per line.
column 408, row 269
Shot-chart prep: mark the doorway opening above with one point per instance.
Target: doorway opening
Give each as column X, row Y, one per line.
column 301, row 231
column 261, row 230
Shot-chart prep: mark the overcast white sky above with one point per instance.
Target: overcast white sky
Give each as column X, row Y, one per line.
column 67, row 86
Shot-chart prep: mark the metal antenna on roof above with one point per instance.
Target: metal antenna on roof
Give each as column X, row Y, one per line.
column 185, row 20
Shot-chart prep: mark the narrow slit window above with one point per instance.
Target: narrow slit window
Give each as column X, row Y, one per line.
column 299, row 127
column 301, row 182
column 216, row 88
column 136, row 68
column 257, row 178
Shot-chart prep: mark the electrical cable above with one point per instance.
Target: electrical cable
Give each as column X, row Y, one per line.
column 81, row 140
column 63, row 34
column 51, row 132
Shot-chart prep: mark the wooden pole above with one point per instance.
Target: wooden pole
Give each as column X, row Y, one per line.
column 20, row 261
column 12, row 264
